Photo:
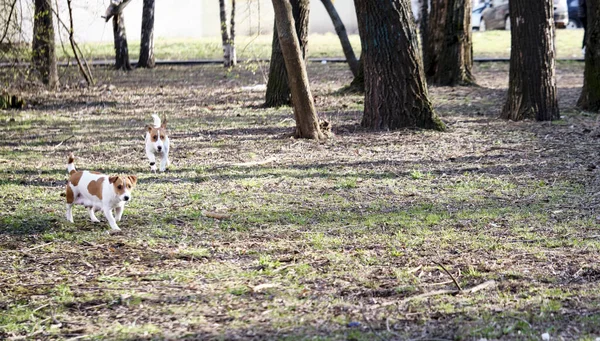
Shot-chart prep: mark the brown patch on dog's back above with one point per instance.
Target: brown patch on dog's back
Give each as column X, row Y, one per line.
column 95, row 187
column 70, row 196
column 75, row 177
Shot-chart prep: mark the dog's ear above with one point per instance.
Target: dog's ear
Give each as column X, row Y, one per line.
column 164, row 122
column 112, row 179
column 133, row 179
column 149, row 127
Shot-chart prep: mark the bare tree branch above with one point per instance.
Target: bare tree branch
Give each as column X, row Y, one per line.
column 12, row 8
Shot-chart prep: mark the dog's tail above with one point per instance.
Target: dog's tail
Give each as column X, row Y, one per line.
column 157, row 121
column 71, row 164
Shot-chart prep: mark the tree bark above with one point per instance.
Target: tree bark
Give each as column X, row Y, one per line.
column 455, row 59
column 229, row 55
column 433, row 44
column 532, row 79
column 395, row 89
column 590, row 94
column 278, row 90
column 424, row 29
column 147, row 44
column 120, row 37
column 43, row 49
column 307, row 123
column 340, row 29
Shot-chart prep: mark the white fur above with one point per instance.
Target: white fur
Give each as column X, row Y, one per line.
column 110, row 200
column 152, row 148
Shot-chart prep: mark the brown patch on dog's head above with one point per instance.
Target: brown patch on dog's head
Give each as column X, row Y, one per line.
column 164, row 123
column 95, row 187
column 75, row 177
column 122, row 183
column 157, row 133
column 71, row 158
column 132, row 180
column 70, row 196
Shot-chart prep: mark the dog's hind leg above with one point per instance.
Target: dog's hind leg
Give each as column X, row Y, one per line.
column 92, row 215
column 69, row 212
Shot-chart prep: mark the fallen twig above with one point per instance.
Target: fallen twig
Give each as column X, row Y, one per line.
column 216, row 215
column 63, row 141
column 449, row 274
column 254, row 163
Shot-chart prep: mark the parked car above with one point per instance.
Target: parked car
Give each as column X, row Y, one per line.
column 496, row 16
column 476, row 15
column 574, row 21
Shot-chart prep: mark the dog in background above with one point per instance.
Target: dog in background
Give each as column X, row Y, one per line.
column 98, row 192
column 157, row 142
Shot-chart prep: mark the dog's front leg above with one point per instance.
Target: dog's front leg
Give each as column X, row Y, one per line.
column 164, row 160
column 111, row 219
column 152, row 159
column 119, row 211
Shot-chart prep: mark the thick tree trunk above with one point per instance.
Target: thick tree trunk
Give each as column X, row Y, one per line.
column 455, row 60
column 434, row 42
column 229, row 55
column 307, row 123
column 590, row 94
column 147, row 44
column 340, row 29
column 43, row 49
column 121, row 49
column 278, row 90
column 395, row 89
column 532, row 79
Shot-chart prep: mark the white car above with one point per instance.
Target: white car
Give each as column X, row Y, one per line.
column 476, row 15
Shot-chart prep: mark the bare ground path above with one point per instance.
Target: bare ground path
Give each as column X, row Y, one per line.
column 337, row 240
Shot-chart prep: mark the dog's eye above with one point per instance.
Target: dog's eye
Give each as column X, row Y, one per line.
column 120, row 187
column 128, row 186
column 162, row 137
column 155, row 137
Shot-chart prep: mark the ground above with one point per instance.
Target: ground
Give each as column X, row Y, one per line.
column 340, row 240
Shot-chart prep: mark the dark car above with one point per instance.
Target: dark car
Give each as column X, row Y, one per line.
column 496, row 16
column 574, row 21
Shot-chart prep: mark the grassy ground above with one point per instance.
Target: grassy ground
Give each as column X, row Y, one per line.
column 331, row 241
column 485, row 44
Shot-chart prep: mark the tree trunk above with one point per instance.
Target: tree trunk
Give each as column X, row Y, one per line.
column 395, row 89
column 43, row 49
column 455, row 60
column 532, row 80
column 434, row 42
column 340, row 29
column 147, row 44
column 121, row 50
column 229, row 55
column 357, row 85
column 278, row 90
column 307, row 123
column 424, row 29
column 590, row 94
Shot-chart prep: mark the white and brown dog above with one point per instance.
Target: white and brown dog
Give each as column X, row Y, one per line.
column 98, row 192
column 157, row 142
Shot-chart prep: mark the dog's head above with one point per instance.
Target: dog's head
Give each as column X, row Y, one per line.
column 123, row 186
column 158, row 135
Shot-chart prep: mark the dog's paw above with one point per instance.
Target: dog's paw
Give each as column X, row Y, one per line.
column 153, row 169
column 114, row 231
column 95, row 220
